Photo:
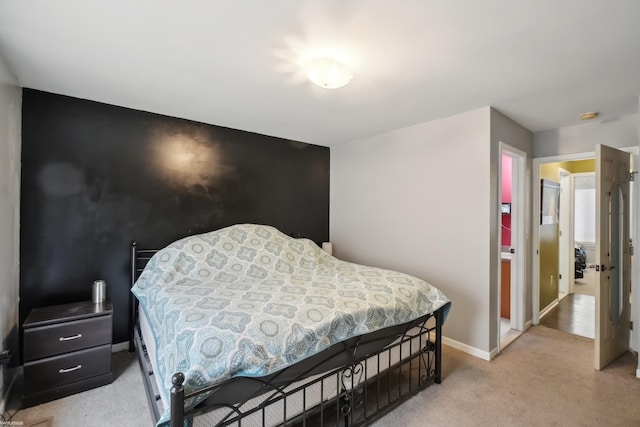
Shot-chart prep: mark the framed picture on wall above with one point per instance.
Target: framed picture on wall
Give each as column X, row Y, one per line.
column 549, row 202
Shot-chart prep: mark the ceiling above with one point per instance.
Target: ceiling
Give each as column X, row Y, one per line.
column 239, row 63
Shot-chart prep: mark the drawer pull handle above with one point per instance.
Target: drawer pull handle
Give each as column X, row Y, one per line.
column 72, row 337
column 75, row 368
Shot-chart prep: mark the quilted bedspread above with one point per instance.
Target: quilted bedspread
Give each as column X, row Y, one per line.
column 248, row 300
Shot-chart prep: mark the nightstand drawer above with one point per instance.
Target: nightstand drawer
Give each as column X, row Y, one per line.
column 50, row 340
column 67, row 368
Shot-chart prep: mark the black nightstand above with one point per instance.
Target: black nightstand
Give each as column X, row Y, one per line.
column 67, row 349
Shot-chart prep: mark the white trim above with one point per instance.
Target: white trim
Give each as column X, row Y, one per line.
column 637, row 373
column 634, row 233
column 527, row 325
column 518, row 239
column 121, row 346
column 499, row 248
column 548, row 308
column 565, row 242
column 476, row 352
column 521, row 251
column 535, row 241
column 495, row 351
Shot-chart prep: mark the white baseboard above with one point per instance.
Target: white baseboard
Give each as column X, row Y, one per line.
column 548, row 308
column 476, row 352
column 121, row 346
column 493, row 353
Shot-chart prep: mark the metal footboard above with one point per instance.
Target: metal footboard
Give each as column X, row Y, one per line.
column 353, row 384
column 352, row 395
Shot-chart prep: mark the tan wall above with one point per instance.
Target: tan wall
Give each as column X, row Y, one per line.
column 550, row 170
column 549, row 268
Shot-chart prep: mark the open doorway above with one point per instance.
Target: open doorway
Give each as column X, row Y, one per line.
column 512, row 244
column 573, row 310
column 541, row 305
column 584, row 235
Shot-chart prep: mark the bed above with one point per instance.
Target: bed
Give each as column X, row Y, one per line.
column 248, row 326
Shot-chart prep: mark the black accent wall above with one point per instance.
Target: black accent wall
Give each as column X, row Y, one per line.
column 96, row 177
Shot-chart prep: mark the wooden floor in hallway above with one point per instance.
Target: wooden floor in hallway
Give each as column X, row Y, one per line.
column 574, row 314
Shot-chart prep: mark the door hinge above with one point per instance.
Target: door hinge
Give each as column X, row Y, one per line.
column 631, row 325
column 632, row 175
column 560, row 276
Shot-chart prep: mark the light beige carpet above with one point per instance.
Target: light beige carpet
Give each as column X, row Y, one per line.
column 121, row 403
column 544, row 378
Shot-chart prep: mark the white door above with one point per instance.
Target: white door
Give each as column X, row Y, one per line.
column 613, row 258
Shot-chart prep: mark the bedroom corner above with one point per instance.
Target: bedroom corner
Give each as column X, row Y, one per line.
column 10, row 119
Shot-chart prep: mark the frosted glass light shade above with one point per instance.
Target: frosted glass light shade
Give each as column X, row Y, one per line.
column 328, row 73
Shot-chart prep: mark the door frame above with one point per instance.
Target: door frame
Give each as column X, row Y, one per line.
column 635, row 233
column 535, row 228
column 518, row 237
column 566, row 226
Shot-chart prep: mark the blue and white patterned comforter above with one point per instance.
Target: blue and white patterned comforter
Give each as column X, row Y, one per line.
column 248, row 300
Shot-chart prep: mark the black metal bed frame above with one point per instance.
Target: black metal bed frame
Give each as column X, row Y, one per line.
column 363, row 380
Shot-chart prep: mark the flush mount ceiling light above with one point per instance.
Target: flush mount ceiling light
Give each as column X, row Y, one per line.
column 328, row 73
column 588, row 116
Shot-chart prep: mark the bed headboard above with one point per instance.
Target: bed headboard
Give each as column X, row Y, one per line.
column 139, row 260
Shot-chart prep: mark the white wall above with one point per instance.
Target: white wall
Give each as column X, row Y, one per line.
column 505, row 130
column 417, row 200
column 584, row 220
column 10, row 124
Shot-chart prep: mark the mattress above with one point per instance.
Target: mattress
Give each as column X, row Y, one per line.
column 300, row 402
